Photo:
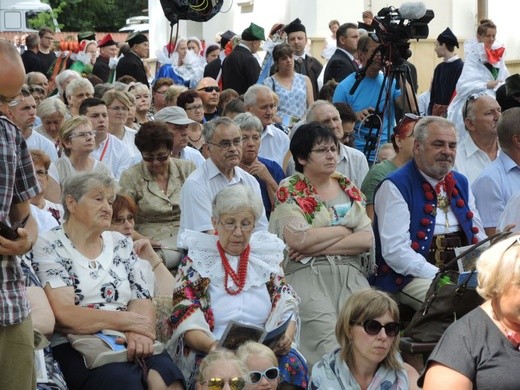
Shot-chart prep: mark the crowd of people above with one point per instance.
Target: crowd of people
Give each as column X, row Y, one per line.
column 226, row 191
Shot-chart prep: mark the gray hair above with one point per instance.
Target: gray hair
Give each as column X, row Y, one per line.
column 248, row 121
column 420, row 131
column 139, row 88
column 234, row 198
column 31, row 76
column 78, row 185
column 252, row 92
column 51, row 106
column 63, row 76
column 507, row 127
column 78, row 84
column 210, row 127
column 310, row 115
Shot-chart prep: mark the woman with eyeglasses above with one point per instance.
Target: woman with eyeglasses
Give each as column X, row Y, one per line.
column 191, row 102
column 368, row 357
column 233, row 275
column 221, row 370
column 118, row 108
column 484, row 71
column 320, row 214
column 482, row 349
column 143, row 103
column 402, row 141
column 262, row 365
column 155, row 184
column 77, row 140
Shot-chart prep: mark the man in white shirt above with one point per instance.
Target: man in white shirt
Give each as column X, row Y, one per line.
column 481, row 114
column 274, row 145
column 423, row 211
column 224, row 140
column 23, row 115
column 177, row 121
column 109, row 149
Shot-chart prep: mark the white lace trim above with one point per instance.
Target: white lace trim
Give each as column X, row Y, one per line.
column 265, row 257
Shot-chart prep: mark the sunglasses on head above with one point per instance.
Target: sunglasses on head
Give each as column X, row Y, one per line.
column 270, row 374
column 209, row 89
column 373, row 327
column 405, row 120
column 219, row 383
column 471, row 98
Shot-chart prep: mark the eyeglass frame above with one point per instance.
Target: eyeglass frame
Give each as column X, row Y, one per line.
column 264, row 375
column 323, row 151
column 226, row 144
column 83, row 134
column 227, row 226
column 160, row 158
column 12, row 101
column 221, row 382
column 200, row 107
column 470, row 98
column 123, row 220
column 210, row 89
column 365, row 325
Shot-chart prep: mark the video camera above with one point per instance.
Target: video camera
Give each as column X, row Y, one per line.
column 395, row 27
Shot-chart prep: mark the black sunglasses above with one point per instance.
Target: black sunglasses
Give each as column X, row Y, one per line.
column 407, row 118
column 271, row 374
column 470, row 98
column 158, row 158
column 209, row 89
column 373, row 327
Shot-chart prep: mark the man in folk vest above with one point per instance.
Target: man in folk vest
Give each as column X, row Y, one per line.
column 423, row 211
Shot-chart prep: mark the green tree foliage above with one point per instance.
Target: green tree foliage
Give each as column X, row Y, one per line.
column 96, row 15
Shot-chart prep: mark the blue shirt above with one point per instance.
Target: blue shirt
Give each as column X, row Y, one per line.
column 365, row 96
column 277, row 173
column 494, row 186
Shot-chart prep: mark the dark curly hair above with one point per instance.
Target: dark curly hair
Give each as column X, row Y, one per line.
column 152, row 135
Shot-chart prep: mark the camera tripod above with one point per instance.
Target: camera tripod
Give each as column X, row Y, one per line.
column 396, row 73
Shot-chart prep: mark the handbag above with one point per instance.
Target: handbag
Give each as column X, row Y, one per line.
column 447, row 300
column 100, row 348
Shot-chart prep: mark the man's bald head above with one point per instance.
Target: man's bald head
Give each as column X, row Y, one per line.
column 12, row 72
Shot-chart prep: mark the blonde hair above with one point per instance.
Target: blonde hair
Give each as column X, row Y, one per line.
column 214, row 357
column 256, row 349
column 111, row 96
column 359, row 307
column 499, row 267
column 172, row 93
column 68, row 127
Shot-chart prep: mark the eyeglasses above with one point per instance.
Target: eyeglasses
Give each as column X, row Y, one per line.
column 121, row 220
column 373, row 327
column 210, row 89
column 349, row 135
column 219, row 383
column 270, row 374
column 83, row 134
column 245, row 226
column 117, row 108
column 226, row 144
column 12, row 101
column 471, row 98
column 195, row 108
column 160, row 158
column 405, row 120
column 323, row 151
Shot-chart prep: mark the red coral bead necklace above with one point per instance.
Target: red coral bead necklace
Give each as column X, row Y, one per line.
column 238, row 278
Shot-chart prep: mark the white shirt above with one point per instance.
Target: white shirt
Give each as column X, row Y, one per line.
column 274, row 144
column 199, row 190
column 44, row 219
column 394, row 230
column 116, row 155
column 39, row 141
column 470, row 160
column 129, row 140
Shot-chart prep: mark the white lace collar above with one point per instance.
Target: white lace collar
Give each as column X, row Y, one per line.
column 264, row 259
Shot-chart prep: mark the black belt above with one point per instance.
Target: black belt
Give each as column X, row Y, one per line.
column 442, row 249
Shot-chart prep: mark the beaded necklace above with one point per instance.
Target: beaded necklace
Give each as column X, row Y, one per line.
column 240, row 278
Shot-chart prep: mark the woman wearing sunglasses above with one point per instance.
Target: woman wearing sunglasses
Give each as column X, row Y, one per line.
column 221, row 370
column 368, row 357
column 155, row 184
column 482, row 349
column 262, row 365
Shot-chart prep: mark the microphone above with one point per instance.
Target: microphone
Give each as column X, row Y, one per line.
column 411, row 10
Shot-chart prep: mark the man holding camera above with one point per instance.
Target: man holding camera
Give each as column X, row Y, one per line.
column 364, row 97
column 18, row 184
